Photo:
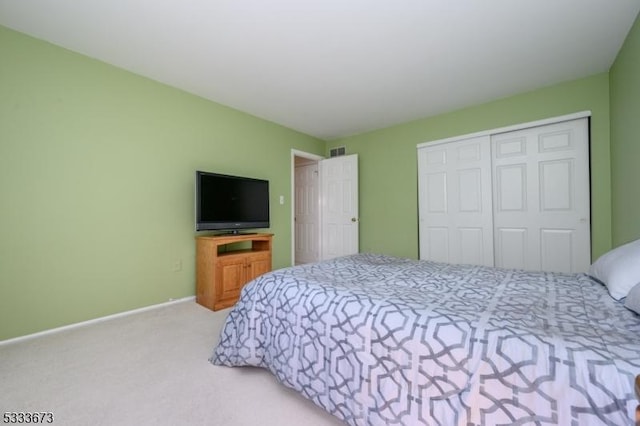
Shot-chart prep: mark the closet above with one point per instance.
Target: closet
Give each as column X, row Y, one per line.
column 515, row 197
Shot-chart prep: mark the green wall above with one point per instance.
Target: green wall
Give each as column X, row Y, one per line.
column 625, row 139
column 388, row 160
column 96, row 184
column 96, row 176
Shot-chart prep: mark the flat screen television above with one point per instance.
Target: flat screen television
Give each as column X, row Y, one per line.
column 230, row 203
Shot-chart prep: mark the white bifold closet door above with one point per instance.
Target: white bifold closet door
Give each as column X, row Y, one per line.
column 455, row 205
column 541, row 198
column 518, row 199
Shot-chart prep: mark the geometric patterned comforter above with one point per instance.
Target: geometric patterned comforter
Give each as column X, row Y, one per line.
column 380, row 340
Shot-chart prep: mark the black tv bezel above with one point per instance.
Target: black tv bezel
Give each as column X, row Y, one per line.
column 229, row 226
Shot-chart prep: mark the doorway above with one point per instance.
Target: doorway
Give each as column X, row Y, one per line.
column 306, row 210
column 305, row 207
column 324, row 207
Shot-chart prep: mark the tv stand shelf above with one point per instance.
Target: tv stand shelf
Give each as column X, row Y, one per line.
column 224, row 265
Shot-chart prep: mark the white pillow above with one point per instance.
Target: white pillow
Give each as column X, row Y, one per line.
column 619, row 269
column 633, row 299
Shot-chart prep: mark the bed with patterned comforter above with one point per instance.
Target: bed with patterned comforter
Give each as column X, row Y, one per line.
column 379, row 340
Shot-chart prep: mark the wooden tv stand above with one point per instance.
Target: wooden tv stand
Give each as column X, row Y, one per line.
column 224, row 265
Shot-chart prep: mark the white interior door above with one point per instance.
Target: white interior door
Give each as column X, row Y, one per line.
column 307, row 213
column 541, row 197
column 339, row 206
column 455, row 203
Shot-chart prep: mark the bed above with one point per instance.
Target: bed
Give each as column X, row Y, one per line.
column 381, row 340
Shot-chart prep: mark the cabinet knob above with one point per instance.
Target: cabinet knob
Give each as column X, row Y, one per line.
column 354, row 219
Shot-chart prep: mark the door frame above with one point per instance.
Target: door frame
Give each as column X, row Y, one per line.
column 314, row 157
column 520, row 126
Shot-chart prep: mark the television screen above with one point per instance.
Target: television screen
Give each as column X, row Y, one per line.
column 229, row 203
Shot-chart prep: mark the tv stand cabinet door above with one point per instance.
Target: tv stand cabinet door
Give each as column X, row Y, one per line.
column 258, row 264
column 231, row 275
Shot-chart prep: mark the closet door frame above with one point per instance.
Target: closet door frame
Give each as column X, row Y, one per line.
column 424, row 250
column 521, row 126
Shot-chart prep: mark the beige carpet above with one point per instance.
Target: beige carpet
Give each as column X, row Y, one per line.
column 149, row 368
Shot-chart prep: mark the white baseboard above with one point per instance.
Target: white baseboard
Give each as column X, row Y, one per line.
column 93, row 321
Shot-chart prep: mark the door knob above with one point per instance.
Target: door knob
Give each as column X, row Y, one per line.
column 353, row 219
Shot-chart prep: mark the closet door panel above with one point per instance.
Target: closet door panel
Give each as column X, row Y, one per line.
column 511, row 188
column 436, row 192
column 454, row 184
column 556, row 243
column 512, row 247
column 556, row 186
column 472, row 243
column 437, row 244
column 470, row 190
column 543, row 187
column 510, row 147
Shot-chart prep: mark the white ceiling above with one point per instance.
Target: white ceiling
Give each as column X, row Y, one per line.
column 332, row 68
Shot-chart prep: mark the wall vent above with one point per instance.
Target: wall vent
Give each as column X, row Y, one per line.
column 338, row 151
